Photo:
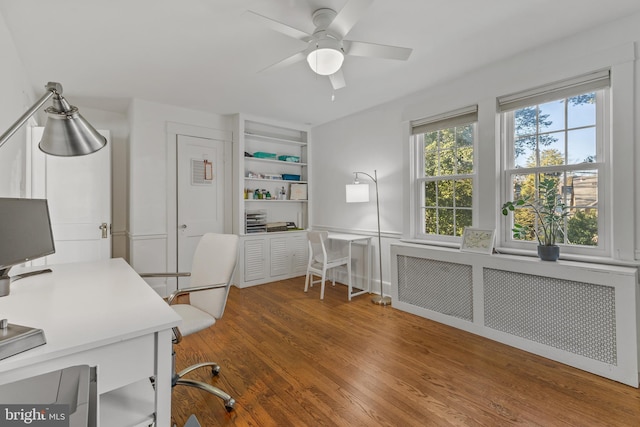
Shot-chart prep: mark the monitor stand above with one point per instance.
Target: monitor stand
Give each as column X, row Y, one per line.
column 15, row 339
column 5, row 282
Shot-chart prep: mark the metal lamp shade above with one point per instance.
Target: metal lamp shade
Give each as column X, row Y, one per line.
column 67, row 133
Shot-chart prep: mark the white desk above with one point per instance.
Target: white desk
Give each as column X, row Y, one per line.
column 99, row 314
column 356, row 238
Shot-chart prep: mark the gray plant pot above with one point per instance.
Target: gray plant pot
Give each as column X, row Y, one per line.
column 548, row 253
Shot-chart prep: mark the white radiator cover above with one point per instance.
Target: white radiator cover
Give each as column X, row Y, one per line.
column 581, row 314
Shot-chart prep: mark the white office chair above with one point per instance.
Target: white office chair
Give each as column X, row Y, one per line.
column 214, row 263
column 321, row 260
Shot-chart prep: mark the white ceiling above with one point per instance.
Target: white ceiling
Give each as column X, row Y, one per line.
column 207, row 54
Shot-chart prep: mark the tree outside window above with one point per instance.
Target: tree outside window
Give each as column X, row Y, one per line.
column 447, row 183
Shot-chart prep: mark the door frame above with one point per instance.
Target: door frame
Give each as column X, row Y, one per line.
column 173, row 130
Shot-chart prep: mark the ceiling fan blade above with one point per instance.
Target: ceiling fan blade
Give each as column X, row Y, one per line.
column 337, row 80
column 376, row 50
column 279, row 26
column 286, row 62
column 348, row 16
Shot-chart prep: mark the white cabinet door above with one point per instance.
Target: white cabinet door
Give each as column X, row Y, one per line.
column 255, row 262
column 288, row 255
column 280, row 256
column 300, row 249
column 79, row 193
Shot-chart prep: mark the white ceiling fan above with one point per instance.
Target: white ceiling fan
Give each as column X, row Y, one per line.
column 326, row 46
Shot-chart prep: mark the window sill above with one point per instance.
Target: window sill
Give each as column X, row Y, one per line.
column 532, row 254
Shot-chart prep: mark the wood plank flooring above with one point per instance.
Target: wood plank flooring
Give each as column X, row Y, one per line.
column 290, row 359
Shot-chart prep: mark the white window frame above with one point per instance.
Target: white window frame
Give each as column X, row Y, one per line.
column 602, row 166
column 442, row 121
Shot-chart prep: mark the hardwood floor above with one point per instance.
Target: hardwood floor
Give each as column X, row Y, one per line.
column 290, row 359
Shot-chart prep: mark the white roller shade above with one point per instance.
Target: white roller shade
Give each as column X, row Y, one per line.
column 558, row 90
column 459, row 117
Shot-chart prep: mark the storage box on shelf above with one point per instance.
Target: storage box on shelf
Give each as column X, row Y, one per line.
column 273, row 160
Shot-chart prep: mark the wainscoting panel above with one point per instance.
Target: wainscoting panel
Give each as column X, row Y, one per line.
column 581, row 314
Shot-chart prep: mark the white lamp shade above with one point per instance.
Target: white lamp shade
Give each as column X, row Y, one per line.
column 325, row 61
column 357, row 193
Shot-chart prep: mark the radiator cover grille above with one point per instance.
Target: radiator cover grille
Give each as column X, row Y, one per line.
column 444, row 287
column 572, row 316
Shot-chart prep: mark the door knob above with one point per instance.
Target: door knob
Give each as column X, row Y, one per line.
column 183, row 226
column 103, row 227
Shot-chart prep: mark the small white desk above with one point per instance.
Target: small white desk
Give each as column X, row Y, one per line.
column 99, row 314
column 356, row 238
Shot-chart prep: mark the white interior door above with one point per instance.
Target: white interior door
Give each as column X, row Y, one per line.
column 78, row 190
column 200, row 198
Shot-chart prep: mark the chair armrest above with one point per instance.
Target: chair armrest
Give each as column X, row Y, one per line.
column 179, row 292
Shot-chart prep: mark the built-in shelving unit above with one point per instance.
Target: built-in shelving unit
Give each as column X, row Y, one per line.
column 271, row 188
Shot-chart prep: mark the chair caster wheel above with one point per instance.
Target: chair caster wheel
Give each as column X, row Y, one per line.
column 229, row 405
column 215, row 370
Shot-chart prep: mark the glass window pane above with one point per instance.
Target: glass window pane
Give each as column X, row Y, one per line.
column 445, row 222
column 447, row 163
column 430, row 195
column 525, row 121
column 430, row 221
column 463, row 189
column 524, row 151
column 582, row 227
column 584, row 189
column 430, row 163
column 431, row 141
column 526, row 217
column 464, row 136
column 523, row 185
column 551, row 116
column 581, row 110
column 465, row 160
column 581, row 146
column 447, row 138
column 445, row 193
column 463, row 220
column 552, row 149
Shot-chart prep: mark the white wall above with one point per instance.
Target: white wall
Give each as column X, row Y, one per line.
column 17, row 97
column 148, row 177
column 378, row 138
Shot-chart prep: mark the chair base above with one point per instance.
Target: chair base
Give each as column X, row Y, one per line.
column 229, row 402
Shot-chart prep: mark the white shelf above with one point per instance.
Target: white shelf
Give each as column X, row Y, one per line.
column 280, row 162
column 271, row 255
column 275, row 201
column 129, row 406
column 273, row 139
column 288, row 181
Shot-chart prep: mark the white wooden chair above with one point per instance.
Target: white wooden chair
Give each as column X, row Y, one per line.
column 322, row 260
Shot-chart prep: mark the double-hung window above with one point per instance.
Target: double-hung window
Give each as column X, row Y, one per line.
column 559, row 132
column 444, row 174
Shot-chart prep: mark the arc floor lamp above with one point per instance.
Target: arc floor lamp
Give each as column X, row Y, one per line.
column 66, row 132
column 358, row 192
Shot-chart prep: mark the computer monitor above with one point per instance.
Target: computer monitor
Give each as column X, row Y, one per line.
column 25, row 232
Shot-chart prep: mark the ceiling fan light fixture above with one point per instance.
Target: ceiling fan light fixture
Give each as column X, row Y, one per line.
column 325, row 57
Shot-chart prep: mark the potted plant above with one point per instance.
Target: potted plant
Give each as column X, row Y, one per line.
column 549, row 213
